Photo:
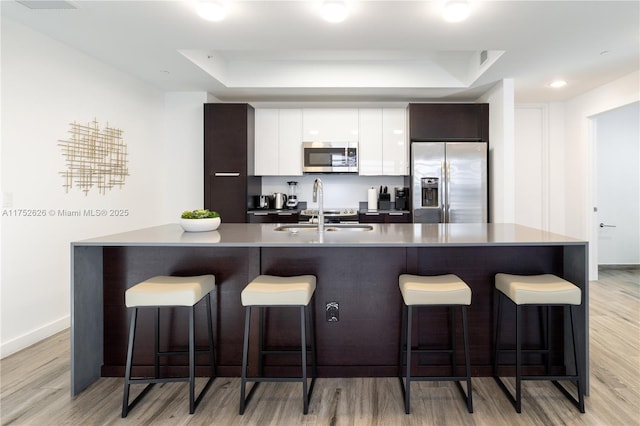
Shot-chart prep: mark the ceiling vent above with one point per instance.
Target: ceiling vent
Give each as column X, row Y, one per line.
column 46, row 4
column 483, row 57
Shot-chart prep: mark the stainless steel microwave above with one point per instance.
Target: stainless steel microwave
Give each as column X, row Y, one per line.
column 330, row 157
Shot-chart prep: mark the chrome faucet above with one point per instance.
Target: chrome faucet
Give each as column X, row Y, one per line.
column 318, row 195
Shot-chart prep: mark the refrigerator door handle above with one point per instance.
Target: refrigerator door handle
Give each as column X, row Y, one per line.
column 443, row 192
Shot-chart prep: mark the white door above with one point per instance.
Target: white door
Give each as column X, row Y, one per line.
column 618, row 180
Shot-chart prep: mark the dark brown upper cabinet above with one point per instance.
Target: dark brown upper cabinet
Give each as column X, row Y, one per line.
column 228, row 160
column 449, row 122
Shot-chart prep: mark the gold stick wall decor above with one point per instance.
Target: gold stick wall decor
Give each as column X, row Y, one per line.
column 94, row 157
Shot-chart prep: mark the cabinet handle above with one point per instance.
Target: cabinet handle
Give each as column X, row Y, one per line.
column 396, row 213
column 372, row 214
column 227, row 174
column 260, row 214
column 285, row 214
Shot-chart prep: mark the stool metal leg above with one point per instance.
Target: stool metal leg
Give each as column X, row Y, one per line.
column 303, row 352
column 245, row 355
column 156, row 339
column 407, row 383
column 212, row 351
column 518, row 358
column 126, row 407
column 191, row 353
column 578, row 364
column 192, row 360
column 454, row 366
column 467, row 358
column 575, row 378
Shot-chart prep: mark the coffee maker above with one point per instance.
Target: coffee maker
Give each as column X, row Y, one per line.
column 292, row 198
column 402, row 198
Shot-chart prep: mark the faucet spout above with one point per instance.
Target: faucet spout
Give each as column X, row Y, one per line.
column 318, row 195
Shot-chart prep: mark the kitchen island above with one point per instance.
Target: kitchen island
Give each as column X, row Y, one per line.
column 358, row 269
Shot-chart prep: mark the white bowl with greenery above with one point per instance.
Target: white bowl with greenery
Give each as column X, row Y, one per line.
column 200, row 220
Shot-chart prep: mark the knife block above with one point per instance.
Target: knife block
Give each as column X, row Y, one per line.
column 384, row 202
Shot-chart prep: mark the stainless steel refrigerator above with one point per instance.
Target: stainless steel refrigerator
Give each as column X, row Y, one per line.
column 449, row 182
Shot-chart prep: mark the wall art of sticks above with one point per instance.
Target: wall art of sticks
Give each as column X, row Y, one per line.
column 94, row 157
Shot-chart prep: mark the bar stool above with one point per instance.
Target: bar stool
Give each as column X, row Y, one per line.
column 542, row 291
column 169, row 291
column 429, row 291
column 268, row 291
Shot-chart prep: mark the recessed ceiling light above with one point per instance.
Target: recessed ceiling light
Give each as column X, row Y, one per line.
column 334, row 10
column 456, row 10
column 557, row 84
column 211, row 10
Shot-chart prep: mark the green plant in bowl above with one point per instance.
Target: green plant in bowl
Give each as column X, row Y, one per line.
column 200, row 220
column 199, row 214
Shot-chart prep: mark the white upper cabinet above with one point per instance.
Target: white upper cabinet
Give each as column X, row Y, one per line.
column 330, row 124
column 370, row 144
column 290, row 147
column 278, row 142
column 383, row 147
column 395, row 144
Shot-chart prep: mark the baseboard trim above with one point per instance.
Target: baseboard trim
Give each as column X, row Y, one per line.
column 22, row 342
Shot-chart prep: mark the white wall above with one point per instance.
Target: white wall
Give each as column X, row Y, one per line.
column 501, row 151
column 568, row 170
column 182, row 165
column 618, row 181
column 581, row 220
column 46, row 86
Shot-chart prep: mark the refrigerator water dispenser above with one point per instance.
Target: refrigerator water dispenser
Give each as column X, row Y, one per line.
column 430, row 196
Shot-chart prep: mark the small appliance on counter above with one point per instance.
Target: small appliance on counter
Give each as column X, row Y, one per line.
column 278, row 200
column 402, row 198
column 292, row 198
column 261, row 202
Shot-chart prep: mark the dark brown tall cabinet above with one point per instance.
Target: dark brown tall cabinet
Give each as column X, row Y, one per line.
column 228, row 160
column 449, row 122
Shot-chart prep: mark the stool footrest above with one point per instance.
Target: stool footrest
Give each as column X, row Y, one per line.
column 174, row 353
column 554, row 379
column 277, row 379
column 429, row 351
column 158, row 380
column 438, row 378
column 282, row 351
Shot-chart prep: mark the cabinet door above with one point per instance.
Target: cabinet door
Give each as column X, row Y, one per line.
column 330, row 124
column 226, row 137
column 267, row 142
column 398, row 217
column 228, row 197
column 290, row 142
column 447, row 122
column 395, row 147
column 370, row 144
column 371, row 217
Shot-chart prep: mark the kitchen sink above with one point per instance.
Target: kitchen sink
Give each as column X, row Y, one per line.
column 303, row 227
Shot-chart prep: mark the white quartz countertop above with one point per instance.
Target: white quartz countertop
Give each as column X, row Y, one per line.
column 382, row 235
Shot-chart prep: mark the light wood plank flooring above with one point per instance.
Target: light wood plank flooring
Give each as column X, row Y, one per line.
column 35, row 387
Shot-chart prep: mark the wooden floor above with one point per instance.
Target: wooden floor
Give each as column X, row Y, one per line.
column 35, row 387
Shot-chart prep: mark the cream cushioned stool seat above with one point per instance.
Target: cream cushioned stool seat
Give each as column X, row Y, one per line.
column 429, row 291
column 434, row 290
column 538, row 289
column 542, row 291
column 269, row 291
column 169, row 291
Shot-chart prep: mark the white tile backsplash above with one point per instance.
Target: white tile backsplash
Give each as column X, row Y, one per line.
column 340, row 190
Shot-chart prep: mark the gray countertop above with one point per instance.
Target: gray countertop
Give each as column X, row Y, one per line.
column 382, row 235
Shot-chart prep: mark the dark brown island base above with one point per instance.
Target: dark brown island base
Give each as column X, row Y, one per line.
column 358, row 269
